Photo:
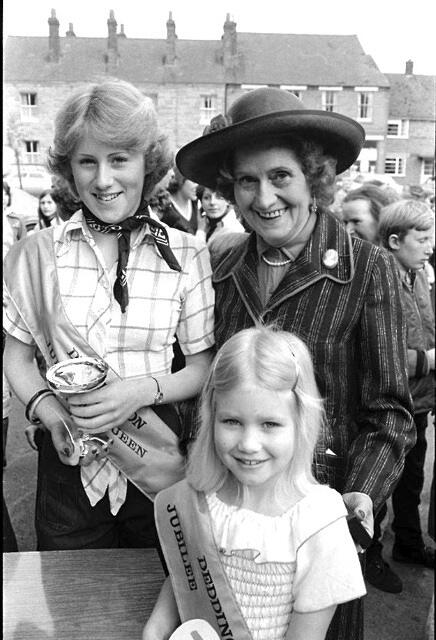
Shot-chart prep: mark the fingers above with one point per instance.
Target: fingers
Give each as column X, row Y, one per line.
column 361, row 505
column 66, row 448
column 30, row 433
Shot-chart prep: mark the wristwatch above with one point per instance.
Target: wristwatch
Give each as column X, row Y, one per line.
column 158, row 398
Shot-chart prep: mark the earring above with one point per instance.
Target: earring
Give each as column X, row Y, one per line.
column 313, row 207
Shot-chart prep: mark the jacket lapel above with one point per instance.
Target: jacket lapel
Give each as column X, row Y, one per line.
column 327, row 255
column 310, row 266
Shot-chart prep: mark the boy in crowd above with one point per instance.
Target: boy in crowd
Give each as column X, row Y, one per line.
column 406, row 229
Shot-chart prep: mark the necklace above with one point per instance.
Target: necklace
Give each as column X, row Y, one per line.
column 281, row 263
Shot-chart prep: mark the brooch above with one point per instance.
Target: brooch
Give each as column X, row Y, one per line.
column 330, row 259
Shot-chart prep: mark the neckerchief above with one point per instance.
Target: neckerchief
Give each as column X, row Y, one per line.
column 123, row 231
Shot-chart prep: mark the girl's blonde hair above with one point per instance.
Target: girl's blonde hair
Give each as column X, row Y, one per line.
column 275, row 360
column 116, row 114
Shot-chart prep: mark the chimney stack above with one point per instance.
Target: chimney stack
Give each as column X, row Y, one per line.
column 112, row 33
column 54, row 44
column 121, row 34
column 70, row 33
column 170, row 56
column 409, row 68
column 230, row 45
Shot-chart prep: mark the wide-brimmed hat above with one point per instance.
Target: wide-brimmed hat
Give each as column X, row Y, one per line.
column 266, row 112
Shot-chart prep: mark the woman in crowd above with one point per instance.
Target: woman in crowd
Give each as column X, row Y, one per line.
column 361, row 210
column 301, row 270
column 48, row 215
column 217, row 215
column 112, row 283
column 180, row 209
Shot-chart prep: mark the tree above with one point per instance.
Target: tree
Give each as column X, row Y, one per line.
column 14, row 134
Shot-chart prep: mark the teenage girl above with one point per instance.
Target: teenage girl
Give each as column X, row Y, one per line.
column 253, row 543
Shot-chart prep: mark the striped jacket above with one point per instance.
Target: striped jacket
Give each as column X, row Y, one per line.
column 351, row 318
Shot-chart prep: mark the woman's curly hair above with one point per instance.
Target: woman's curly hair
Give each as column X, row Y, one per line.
column 318, row 168
column 114, row 113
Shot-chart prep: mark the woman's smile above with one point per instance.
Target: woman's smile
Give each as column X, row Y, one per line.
column 271, row 191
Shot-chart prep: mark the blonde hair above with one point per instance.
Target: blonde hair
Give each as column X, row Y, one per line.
column 117, row 114
column 400, row 217
column 275, row 360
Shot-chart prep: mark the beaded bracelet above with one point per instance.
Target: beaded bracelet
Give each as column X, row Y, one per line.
column 33, row 403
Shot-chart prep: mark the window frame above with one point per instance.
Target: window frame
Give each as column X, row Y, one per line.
column 207, row 112
column 33, row 155
column 403, row 128
column 424, row 175
column 296, row 89
column 369, row 106
column 28, row 111
column 399, row 161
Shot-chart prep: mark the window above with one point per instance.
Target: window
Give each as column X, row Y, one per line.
column 329, row 100
column 398, row 129
column 28, row 106
column 32, row 151
column 395, row 165
column 207, row 109
column 364, row 109
column 298, row 90
column 427, row 167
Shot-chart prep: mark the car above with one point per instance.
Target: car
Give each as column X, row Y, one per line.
column 34, row 179
column 25, row 206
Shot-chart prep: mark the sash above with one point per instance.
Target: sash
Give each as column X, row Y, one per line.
column 145, row 449
column 199, row 581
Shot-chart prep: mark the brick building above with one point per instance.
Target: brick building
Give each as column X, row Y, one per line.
column 190, row 81
column 410, row 136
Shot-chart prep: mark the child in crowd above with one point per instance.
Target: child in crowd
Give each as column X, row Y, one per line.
column 406, row 229
column 253, row 543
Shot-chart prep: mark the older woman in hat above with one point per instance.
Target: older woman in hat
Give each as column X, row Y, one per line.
column 299, row 269
column 110, row 288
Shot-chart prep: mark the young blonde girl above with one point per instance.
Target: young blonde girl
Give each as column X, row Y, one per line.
column 253, row 543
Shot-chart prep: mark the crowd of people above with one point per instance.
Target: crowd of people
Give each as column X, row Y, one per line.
column 249, row 306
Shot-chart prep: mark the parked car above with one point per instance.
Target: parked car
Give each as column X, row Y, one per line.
column 25, row 206
column 34, row 179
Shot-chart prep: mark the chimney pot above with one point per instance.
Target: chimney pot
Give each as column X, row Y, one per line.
column 112, row 33
column 409, row 68
column 170, row 56
column 54, row 46
column 70, row 33
column 230, row 45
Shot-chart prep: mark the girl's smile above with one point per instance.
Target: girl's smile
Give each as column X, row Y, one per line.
column 108, row 180
column 255, row 435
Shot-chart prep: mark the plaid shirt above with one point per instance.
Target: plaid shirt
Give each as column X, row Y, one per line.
column 139, row 342
column 162, row 302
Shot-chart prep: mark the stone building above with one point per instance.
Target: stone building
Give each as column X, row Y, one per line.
column 190, row 81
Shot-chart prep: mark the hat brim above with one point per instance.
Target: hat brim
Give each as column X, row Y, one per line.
column 340, row 136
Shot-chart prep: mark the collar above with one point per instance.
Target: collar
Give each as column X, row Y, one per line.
column 327, row 254
column 77, row 225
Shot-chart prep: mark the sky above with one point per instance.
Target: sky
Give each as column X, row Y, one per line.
column 391, row 31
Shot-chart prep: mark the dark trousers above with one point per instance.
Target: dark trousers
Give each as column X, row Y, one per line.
column 406, row 497
column 64, row 518
column 407, row 494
